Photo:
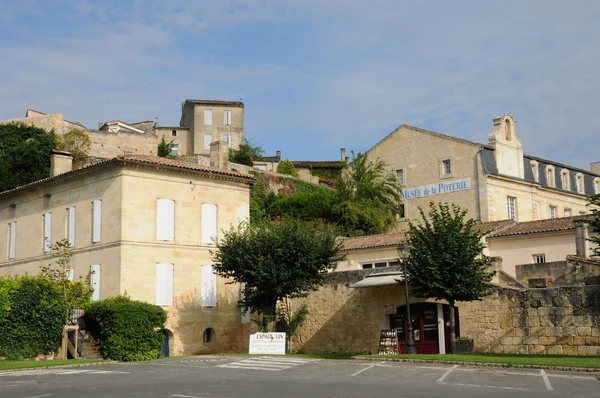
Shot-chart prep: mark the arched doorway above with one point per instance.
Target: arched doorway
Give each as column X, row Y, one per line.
column 165, row 351
column 431, row 325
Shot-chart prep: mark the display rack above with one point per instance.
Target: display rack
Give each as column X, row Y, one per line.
column 388, row 342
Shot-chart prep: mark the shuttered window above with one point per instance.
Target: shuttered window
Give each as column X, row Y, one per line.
column 71, row 222
column 47, row 242
column 165, row 220
column 209, row 287
column 95, row 281
column 227, row 138
column 96, row 221
column 208, row 117
column 227, row 117
column 164, row 284
column 207, row 140
column 209, row 223
column 12, row 240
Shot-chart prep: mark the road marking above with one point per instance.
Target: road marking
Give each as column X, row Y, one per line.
column 441, row 379
column 566, row 376
column 484, row 386
column 44, row 372
column 185, row 396
column 546, row 380
column 40, row 396
column 445, row 367
column 367, row 368
column 267, row 363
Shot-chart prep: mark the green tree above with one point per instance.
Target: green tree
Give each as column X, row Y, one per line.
column 246, row 153
column 446, row 260
column 77, row 142
column 165, row 148
column 287, row 167
column 276, row 260
column 24, row 154
column 595, row 223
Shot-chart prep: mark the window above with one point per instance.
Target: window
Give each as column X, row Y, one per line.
column 207, row 140
column 47, row 240
column 400, row 175
column 12, row 210
column 164, row 284
column 579, row 183
column 95, row 281
column 550, row 176
column 511, row 204
column 597, row 186
column 71, row 274
column 379, row 264
column 209, row 286
column 209, row 335
column 96, row 221
column 12, row 240
column 71, row 223
column 567, row 212
column 539, row 258
column 208, row 117
column 47, row 201
column 175, row 150
column 227, row 139
column 227, row 117
column 535, row 171
column 165, row 220
column 564, row 179
column 552, row 211
column 209, row 224
column 446, row 167
column 173, row 133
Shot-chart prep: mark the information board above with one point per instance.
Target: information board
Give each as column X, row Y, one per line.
column 267, row 343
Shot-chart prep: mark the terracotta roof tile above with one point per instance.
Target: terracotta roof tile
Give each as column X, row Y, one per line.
column 490, row 226
column 371, row 241
column 541, row 226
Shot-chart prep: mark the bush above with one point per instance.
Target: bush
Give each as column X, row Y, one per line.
column 286, row 167
column 32, row 316
column 128, row 330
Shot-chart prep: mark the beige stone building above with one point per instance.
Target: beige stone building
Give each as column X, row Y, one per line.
column 144, row 226
column 494, row 181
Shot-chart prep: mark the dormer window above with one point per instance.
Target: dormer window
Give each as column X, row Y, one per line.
column 550, row 176
column 579, row 183
column 535, row 171
column 564, row 179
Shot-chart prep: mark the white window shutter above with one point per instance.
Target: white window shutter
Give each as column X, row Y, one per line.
column 71, row 274
column 209, row 223
column 96, row 221
column 95, row 281
column 12, row 245
column 207, row 140
column 71, row 223
column 47, row 232
column 165, row 220
column 208, row 117
column 209, row 286
column 164, row 284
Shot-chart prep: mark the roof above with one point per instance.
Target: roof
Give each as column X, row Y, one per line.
column 215, row 102
column 372, row 241
column 142, row 160
column 490, row 226
column 306, row 164
column 562, row 224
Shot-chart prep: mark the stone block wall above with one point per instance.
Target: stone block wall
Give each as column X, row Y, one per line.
column 106, row 144
column 573, row 271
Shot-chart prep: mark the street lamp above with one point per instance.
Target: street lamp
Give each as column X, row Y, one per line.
column 403, row 250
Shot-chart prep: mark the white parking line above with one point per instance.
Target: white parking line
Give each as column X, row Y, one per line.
column 367, row 368
column 441, row 379
column 184, row 396
column 40, row 396
column 546, row 380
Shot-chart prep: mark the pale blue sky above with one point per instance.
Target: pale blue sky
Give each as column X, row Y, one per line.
column 316, row 75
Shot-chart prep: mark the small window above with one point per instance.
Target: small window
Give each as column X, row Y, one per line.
column 227, row 117
column 511, row 204
column 209, row 336
column 446, row 167
column 550, row 176
column 208, row 117
column 173, row 133
column 579, row 183
column 47, row 201
column 539, row 258
column 568, row 213
column 175, row 150
column 552, row 211
column 12, row 210
column 381, row 265
column 400, row 175
column 366, row 266
column 564, row 179
column 394, row 264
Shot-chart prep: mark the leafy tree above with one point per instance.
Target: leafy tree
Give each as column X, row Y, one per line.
column 276, row 260
column 287, row 167
column 445, row 260
column 24, row 154
column 76, row 142
column 595, row 223
column 165, row 148
column 246, row 153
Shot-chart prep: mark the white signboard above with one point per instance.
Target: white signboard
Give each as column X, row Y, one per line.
column 267, row 343
column 436, row 189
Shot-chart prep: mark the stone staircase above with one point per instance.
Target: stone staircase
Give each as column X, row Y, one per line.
column 90, row 347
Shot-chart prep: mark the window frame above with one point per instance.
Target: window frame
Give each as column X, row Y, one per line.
column 449, row 170
column 208, row 111
column 565, row 179
column 550, row 176
column 538, row 256
column 511, row 200
column 552, row 211
column 371, row 264
column 400, row 177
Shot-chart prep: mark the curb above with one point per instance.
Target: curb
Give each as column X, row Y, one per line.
column 482, row 364
column 75, row 365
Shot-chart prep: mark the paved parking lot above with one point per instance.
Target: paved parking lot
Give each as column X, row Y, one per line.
column 252, row 376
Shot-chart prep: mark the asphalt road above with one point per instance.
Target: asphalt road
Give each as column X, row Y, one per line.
column 245, row 376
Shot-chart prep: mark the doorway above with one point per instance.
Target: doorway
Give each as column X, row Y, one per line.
column 165, row 346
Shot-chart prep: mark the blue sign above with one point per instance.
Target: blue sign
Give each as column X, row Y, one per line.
column 436, row 189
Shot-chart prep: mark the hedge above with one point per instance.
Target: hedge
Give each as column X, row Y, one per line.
column 127, row 330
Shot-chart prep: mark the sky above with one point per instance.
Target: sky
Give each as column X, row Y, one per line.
column 316, row 75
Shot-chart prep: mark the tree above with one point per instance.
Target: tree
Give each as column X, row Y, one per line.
column 276, row 260
column 446, row 260
column 595, row 223
column 76, row 142
column 165, row 148
column 287, row 167
column 246, row 153
column 24, row 154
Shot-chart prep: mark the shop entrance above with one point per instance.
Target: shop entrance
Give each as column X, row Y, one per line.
column 427, row 323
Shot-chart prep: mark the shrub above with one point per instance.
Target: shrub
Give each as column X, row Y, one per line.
column 286, row 167
column 32, row 316
column 128, row 330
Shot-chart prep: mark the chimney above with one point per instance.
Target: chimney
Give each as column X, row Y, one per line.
column 581, row 239
column 595, row 167
column 343, row 154
column 278, row 155
column 219, row 155
column 60, row 162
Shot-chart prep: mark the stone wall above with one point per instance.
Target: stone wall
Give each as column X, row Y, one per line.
column 106, row 144
column 562, row 273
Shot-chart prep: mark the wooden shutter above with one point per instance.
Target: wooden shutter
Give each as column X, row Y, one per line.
column 164, row 284
column 12, row 245
column 209, row 286
column 95, row 281
column 209, row 223
column 47, row 232
column 165, row 219
column 71, row 222
column 96, row 221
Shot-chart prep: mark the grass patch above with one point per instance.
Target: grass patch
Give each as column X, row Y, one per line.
column 7, row 365
column 509, row 359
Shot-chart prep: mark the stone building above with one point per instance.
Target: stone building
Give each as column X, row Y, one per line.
column 494, row 181
column 144, row 226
